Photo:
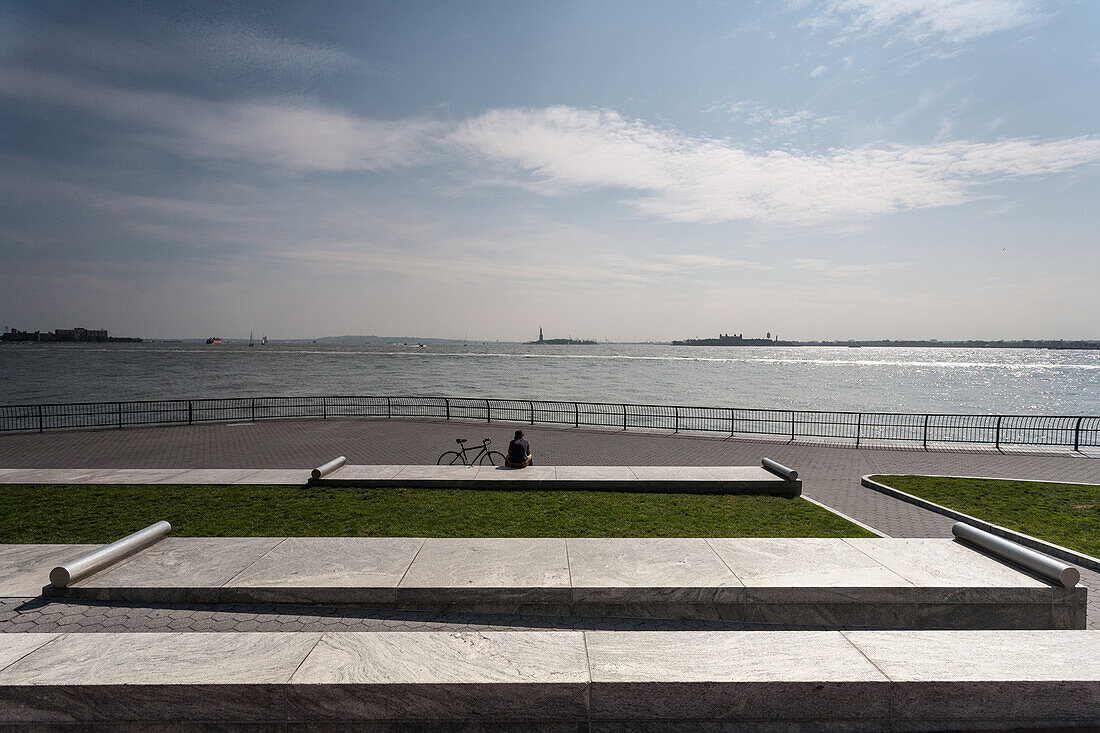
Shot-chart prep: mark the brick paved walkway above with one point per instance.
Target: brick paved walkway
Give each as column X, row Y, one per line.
column 830, row 474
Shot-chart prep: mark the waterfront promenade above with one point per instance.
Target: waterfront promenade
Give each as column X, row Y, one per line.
column 830, row 474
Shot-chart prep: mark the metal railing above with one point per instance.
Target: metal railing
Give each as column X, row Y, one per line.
column 858, row 427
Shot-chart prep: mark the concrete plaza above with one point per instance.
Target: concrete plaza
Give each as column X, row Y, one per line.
column 581, row 655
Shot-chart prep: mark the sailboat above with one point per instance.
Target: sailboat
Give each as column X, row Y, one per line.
column 263, row 340
column 250, row 344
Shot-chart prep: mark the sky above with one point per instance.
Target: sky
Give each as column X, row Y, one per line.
column 623, row 170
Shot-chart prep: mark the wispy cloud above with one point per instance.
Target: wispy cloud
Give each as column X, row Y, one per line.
column 953, row 21
column 781, row 121
column 819, row 70
column 684, row 178
column 285, row 132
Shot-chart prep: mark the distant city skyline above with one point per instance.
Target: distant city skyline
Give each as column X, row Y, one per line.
column 638, row 171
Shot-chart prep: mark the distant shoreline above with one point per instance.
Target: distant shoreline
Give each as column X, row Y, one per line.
column 1023, row 344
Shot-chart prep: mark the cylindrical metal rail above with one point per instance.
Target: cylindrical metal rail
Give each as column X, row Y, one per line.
column 1036, row 562
column 779, row 469
column 327, row 468
column 108, row 555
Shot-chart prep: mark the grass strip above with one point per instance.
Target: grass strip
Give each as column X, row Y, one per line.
column 82, row 513
column 1065, row 514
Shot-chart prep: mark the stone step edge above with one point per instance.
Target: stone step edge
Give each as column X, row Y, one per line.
column 1049, row 678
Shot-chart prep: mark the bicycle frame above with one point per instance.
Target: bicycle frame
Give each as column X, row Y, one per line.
column 481, row 450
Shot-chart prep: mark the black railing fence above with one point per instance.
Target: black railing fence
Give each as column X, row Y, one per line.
column 857, row 427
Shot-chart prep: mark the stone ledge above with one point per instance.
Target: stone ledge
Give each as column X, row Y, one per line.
column 885, row 583
column 647, row 479
column 788, row 680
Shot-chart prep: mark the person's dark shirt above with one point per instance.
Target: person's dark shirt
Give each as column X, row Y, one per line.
column 518, row 450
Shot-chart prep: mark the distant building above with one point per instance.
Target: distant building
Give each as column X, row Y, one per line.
column 78, row 334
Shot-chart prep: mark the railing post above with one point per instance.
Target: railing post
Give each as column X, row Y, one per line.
column 447, row 406
column 488, row 412
column 190, row 412
column 997, row 434
column 576, row 416
column 531, row 411
column 677, row 420
column 389, row 408
column 324, row 408
column 41, row 428
column 926, row 432
column 119, row 405
column 253, row 409
column 859, row 426
column 731, row 422
column 1077, row 434
column 624, row 417
column 792, row 424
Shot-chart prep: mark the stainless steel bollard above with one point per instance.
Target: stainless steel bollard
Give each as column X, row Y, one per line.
column 1036, row 562
column 107, row 555
column 327, row 468
column 779, row 469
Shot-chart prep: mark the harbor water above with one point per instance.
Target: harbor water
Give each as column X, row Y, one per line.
column 944, row 380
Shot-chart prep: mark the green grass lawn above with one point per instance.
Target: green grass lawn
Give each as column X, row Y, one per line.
column 66, row 514
column 1066, row 514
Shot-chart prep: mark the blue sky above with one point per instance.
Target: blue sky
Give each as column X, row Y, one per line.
column 845, row 169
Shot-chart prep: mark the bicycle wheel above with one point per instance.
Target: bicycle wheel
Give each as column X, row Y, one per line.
column 450, row 458
column 493, row 458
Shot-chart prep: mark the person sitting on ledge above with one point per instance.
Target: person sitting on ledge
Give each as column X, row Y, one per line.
column 519, row 453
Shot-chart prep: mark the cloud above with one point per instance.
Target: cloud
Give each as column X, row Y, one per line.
column 781, row 121
column 819, row 70
column 561, row 150
column 556, row 151
column 952, row 21
column 289, row 133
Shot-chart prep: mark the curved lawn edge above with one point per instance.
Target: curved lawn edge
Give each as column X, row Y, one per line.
column 878, row 483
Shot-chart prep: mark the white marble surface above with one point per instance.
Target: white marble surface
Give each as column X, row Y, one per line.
column 212, row 476
column 595, row 473
column 489, row 563
column 789, row 680
column 722, row 656
column 185, row 562
column 654, row 563
column 528, row 657
column 162, row 659
column 437, row 472
column 671, row 473
column 504, row 473
column 744, row 473
column 348, row 471
column 942, row 563
column 25, row 569
column 14, row 647
column 802, row 562
column 356, row 562
column 982, row 656
column 275, row 477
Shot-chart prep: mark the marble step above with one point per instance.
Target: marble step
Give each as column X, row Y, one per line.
column 604, row 680
column 885, row 583
column 665, row 479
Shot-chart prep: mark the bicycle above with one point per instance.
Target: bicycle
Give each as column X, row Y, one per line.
column 453, row 457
